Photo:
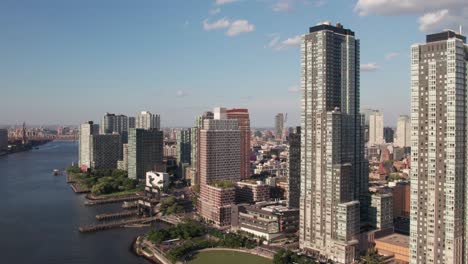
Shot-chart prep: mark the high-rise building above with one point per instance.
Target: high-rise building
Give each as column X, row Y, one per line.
column 123, row 164
column 147, row 120
column 388, row 134
column 334, row 174
column 105, row 151
column 87, row 130
column 403, row 131
column 145, row 152
column 131, row 122
column 195, row 149
column 381, row 210
column 184, row 146
column 439, row 149
column 107, row 124
column 294, row 169
column 376, row 128
column 243, row 119
column 219, row 162
column 112, row 123
column 3, row 139
column 279, row 125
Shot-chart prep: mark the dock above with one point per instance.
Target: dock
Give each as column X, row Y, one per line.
column 129, row 205
column 99, row 227
column 112, row 200
column 123, row 214
column 77, row 188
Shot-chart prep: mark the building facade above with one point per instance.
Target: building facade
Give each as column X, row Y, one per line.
column 147, row 120
column 268, row 220
column 403, row 132
column 145, row 152
column 252, row 192
column 105, row 151
column 279, row 125
column 388, row 134
column 219, row 164
column 243, row 119
column 376, row 128
column 294, row 168
column 3, row 139
column 184, row 146
column 438, row 149
column 87, row 130
column 381, row 210
column 334, row 173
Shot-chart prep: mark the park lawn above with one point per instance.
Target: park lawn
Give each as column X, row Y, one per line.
column 227, row 257
column 122, row 193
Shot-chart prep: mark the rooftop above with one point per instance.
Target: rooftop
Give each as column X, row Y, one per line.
column 448, row 34
column 395, row 239
column 338, row 28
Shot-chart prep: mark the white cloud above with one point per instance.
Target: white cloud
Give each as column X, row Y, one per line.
column 234, row 28
column 275, row 37
column 283, row 6
column 391, row 55
column 181, row 93
column 294, row 89
column 239, row 26
column 290, row 42
column 369, row 67
column 431, row 20
column 215, row 11
column 218, row 24
column 434, row 15
column 223, row 2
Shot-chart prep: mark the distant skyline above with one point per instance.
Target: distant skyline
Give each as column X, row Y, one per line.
column 66, row 62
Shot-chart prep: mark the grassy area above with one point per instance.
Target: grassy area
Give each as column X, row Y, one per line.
column 122, row 193
column 227, row 257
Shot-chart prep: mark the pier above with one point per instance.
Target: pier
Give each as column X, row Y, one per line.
column 123, row 214
column 99, row 227
column 112, row 200
column 76, row 187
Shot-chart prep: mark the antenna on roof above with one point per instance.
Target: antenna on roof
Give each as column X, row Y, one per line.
column 460, row 29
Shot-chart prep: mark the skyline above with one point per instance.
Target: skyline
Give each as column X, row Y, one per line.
column 121, row 59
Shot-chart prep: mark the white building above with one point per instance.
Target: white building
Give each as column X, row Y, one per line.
column 403, row 132
column 157, row 179
column 147, row 120
column 376, row 128
column 84, row 149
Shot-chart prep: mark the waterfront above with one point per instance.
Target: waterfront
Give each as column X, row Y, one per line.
column 40, row 215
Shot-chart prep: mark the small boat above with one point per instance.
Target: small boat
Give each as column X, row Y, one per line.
column 56, row 172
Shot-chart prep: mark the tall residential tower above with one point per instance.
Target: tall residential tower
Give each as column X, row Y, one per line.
column 334, row 173
column 438, row 149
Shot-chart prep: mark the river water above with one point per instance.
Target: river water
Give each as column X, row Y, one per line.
column 40, row 214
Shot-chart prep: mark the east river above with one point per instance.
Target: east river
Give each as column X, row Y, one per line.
column 40, row 214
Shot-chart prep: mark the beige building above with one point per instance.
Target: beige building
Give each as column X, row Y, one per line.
column 376, row 128
column 220, row 167
column 334, row 174
column 403, row 132
column 438, row 149
column 394, row 245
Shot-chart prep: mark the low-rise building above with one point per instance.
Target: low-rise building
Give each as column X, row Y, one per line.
column 215, row 204
column 252, row 191
column 395, row 245
column 268, row 220
column 157, row 179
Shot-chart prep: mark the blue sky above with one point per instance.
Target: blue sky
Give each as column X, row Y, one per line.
column 68, row 61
